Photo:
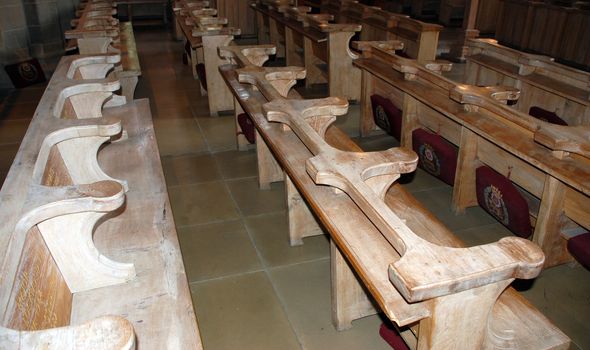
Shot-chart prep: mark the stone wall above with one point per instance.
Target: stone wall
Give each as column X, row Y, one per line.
column 33, row 29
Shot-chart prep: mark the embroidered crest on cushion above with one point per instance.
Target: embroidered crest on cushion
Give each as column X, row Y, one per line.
column 387, row 116
column 437, row 156
column 546, row 116
column 499, row 197
column 247, row 126
column 579, row 247
column 202, row 74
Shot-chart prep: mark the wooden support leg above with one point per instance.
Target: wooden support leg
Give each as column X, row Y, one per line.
column 460, row 320
column 344, row 79
column 262, row 35
column 198, row 56
column 367, row 122
column 302, row 223
column 464, row 188
column 549, row 223
column 314, row 73
column 427, row 47
column 177, row 30
column 275, row 38
column 349, row 299
column 241, row 142
column 219, row 96
column 128, row 85
column 193, row 63
column 291, row 55
column 409, row 120
column 269, row 170
column 471, row 73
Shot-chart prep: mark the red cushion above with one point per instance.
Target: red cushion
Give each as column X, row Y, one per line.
column 498, row 196
column 579, row 247
column 202, row 74
column 392, row 337
column 387, row 116
column 546, row 115
column 437, row 156
column 247, row 127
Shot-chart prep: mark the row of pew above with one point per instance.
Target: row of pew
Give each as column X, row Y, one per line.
column 203, row 32
column 377, row 223
column 90, row 254
column 468, row 127
column 559, row 29
column 321, row 42
column 388, row 253
column 97, row 31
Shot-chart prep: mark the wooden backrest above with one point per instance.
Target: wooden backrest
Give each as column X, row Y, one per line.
column 543, row 83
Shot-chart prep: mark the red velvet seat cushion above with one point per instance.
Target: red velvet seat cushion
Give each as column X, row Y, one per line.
column 247, row 126
column 437, row 156
column 546, row 115
column 202, row 74
column 579, row 247
column 498, row 196
column 392, row 337
column 387, row 116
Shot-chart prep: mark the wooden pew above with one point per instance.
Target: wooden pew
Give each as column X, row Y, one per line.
column 451, row 11
column 420, row 39
column 182, row 7
column 246, row 55
column 313, row 35
column 100, row 34
column 362, row 238
column 184, row 27
column 88, row 234
column 204, row 34
column 542, row 82
column 548, row 162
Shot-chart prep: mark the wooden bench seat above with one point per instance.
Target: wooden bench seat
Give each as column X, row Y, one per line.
column 535, row 162
column 542, row 82
column 86, row 233
column 356, row 243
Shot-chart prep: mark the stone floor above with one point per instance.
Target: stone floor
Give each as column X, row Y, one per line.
column 251, row 290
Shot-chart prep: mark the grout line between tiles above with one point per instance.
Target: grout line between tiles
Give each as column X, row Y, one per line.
column 265, row 267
